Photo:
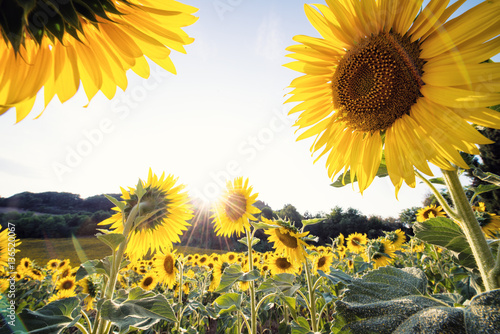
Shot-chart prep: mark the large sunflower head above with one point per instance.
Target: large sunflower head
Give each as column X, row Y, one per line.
column 389, row 82
column 234, row 211
column 6, row 243
column 164, row 210
column 58, row 44
column 66, row 283
column 430, row 211
column 288, row 241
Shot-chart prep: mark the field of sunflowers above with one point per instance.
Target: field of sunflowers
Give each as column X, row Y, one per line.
column 389, row 87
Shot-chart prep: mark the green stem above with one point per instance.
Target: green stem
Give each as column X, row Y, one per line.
column 104, row 326
column 444, row 204
column 86, row 317
column 181, row 310
column 246, row 322
column 312, row 297
column 253, row 311
column 81, row 328
column 472, row 230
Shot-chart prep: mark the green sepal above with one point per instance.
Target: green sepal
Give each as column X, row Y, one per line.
column 244, row 241
column 11, row 22
column 264, row 226
column 120, row 205
column 313, row 221
column 345, row 178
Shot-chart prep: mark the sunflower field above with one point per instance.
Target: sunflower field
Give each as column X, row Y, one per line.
column 389, row 87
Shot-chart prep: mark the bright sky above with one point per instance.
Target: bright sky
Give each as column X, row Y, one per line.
column 220, row 117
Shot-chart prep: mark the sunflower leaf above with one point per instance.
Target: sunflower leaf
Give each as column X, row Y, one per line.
column 437, row 180
column 314, row 221
column 244, row 241
column 113, row 240
column 336, row 276
column 445, row 233
column 141, row 313
column 228, row 302
column 390, row 300
column 487, row 177
column 229, row 277
column 53, row 318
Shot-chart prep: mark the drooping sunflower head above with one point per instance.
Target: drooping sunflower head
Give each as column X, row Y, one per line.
column 356, row 241
column 391, row 83
column 164, row 210
column 288, row 241
column 165, row 267
column 234, row 211
column 431, row 211
column 58, row 44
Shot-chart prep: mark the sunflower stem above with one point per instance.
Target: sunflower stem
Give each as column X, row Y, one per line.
column 104, row 326
column 253, row 320
column 444, row 204
column 181, row 310
column 312, row 297
column 475, row 237
column 81, row 328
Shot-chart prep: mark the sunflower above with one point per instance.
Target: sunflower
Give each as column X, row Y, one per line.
column 341, row 251
column 356, row 241
column 91, row 289
column 288, row 241
column 279, row 264
column 4, row 285
column 67, row 283
column 489, row 222
column 165, row 210
column 323, row 262
column 397, row 238
column 25, row 265
column 380, row 251
column 35, row 274
column 61, row 295
column 165, row 268
column 392, row 83
column 5, row 241
column 202, row 260
column 233, row 212
column 53, row 264
column 431, row 211
column 149, row 281
column 218, row 270
column 58, row 45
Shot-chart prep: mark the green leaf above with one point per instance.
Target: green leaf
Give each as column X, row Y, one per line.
column 483, row 188
column 142, row 312
column 396, row 303
column 113, row 240
column 336, row 276
column 117, row 203
column 345, row 178
column 437, row 180
column 233, row 274
column 244, row 241
column 282, row 282
column 228, row 302
column 301, row 326
column 312, row 221
column 445, row 233
column 53, row 318
column 264, row 226
column 487, row 177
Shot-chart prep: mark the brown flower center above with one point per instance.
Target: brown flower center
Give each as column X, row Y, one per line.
column 321, row 262
column 236, row 206
column 168, row 265
column 377, row 81
column 66, row 285
column 283, row 263
column 287, row 239
column 148, row 281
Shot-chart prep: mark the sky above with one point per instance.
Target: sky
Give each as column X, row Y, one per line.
column 221, row 116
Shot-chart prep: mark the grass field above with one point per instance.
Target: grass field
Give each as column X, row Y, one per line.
column 77, row 250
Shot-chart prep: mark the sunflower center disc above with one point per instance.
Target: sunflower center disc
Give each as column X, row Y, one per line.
column 148, row 281
column 321, row 262
column 377, row 82
column 67, row 285
column 168, row 264
column 236, row 206
column 283, row 263
column 287, row 239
